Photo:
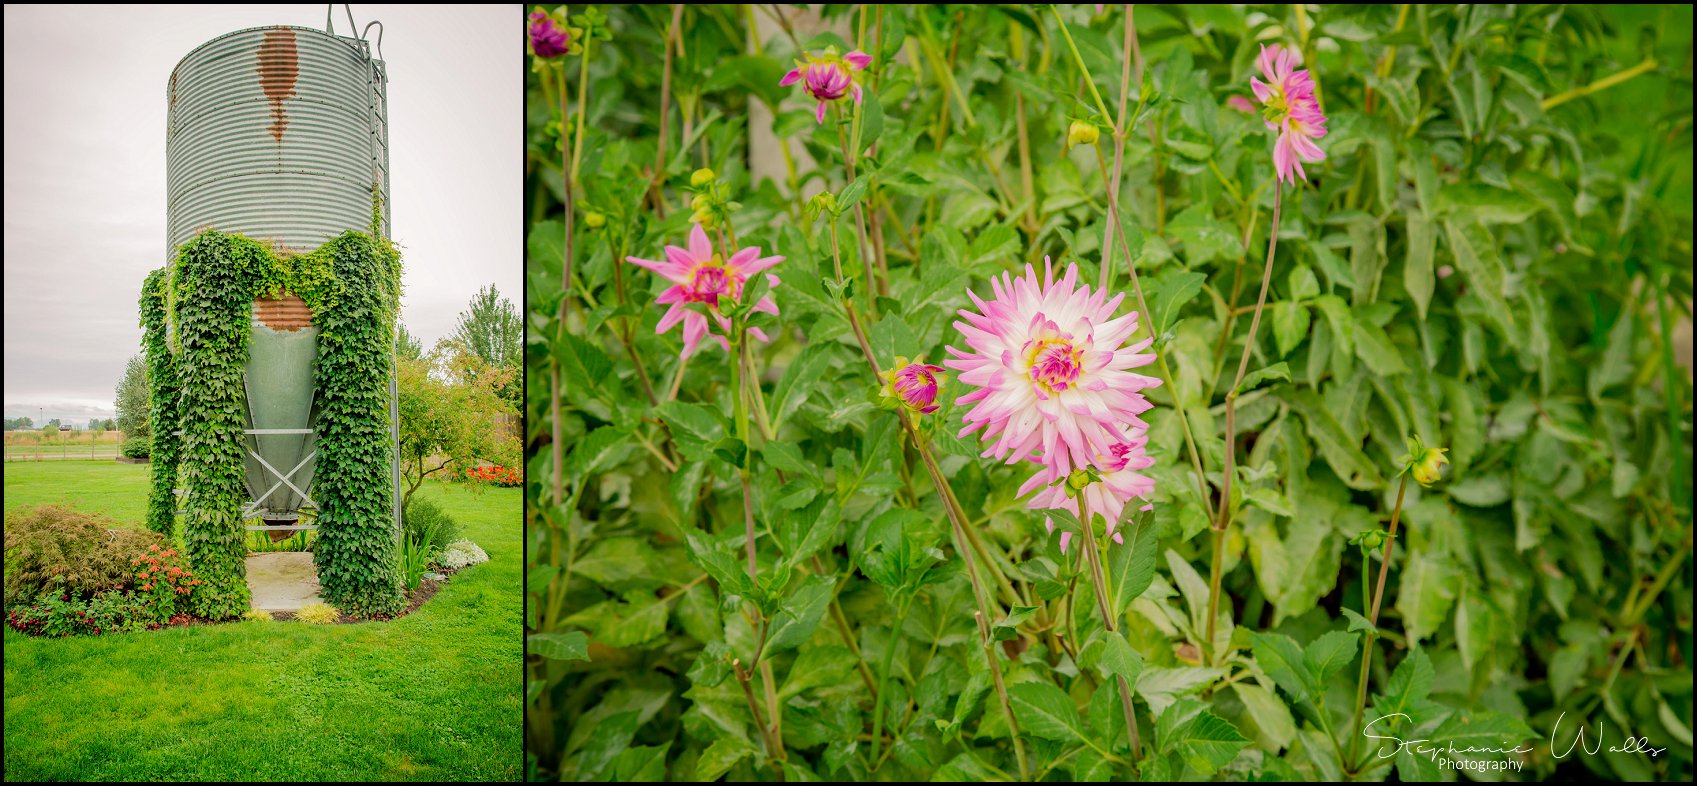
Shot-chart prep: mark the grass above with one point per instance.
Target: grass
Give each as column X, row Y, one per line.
column 434, row 695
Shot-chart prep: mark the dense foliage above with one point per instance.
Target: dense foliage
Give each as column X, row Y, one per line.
column 747, row 563
column 356, row 551
column 56, row 550
column 164, row 393
column 198, row 318
column 454, row 414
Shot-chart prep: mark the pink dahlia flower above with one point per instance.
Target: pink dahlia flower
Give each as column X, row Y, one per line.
column 914, row 384
column 700, row 276
column 1291, row 109
column 1050, row 378
column 1120, row 484
column 549, row 37
column 828, row 77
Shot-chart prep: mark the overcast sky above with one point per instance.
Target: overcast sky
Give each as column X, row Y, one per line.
column 85, row 173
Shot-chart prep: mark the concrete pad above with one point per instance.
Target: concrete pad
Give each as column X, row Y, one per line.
column 282, row 580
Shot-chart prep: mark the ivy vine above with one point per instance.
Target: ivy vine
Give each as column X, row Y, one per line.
column 163, row 392
column 352, row 286
column 354, row 480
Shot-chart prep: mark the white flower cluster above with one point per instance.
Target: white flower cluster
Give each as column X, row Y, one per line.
column 461, row 554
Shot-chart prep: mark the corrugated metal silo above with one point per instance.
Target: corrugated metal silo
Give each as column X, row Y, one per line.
column 280, row 134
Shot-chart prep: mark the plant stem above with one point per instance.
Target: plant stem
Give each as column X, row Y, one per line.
column 1224, row 519
column 665, row 112
column 859, row 217
column 1099, row 582
column 1121, row 131
column 1373, row 633
column 884, row 677
column 582, row 96
column 1166, row 373
column 1002, row 694
column 1605, row 83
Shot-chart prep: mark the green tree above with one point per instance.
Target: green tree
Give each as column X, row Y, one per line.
column 453, row 414
column 407, row 345
column 132, row 399
column 491, row 329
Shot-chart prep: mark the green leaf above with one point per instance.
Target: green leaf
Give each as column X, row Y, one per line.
column 1273, row 722
column 799, row 615
column 1044, row 711
column 1417, row 275
column 1119, row 659
column 1283, row 660
column 1276, row 371
column 1208, row 743
column 1132, row 564
column 572, row 645
column 1008, row 628
column 721, row 756
column 1327, row 654
column 1170, row 296
column 1290, row 325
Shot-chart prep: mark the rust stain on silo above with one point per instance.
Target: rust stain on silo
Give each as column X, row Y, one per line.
column 173, row 89
column 279, row 68
column 286, row 312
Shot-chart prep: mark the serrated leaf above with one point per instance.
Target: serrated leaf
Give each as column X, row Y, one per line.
column 572, row 645
column 1044, row 711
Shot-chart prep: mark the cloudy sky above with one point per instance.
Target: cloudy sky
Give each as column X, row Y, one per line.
column 85, row 173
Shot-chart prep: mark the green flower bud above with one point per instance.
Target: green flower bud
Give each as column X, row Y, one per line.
column 1428, row 467
column 1082, row 133
column 595, row 220
column 702, row 177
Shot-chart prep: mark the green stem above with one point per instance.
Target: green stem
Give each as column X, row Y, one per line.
column 1099, row 582
column 1605, row 83
column 884, row 678
column 1373, row 618
column 582, row 96
column 1078, row 59
column 1224, row 520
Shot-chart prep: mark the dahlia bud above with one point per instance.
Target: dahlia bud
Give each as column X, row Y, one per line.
column 1082, row 132
column 701, row 177
column 595, row 220
column 913, row 384
column 1425, row 464
column 1429, row 467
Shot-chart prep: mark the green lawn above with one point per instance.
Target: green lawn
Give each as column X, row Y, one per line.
column 434, row 695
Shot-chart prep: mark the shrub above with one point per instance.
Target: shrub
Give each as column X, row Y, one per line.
column 505, row 477
column 60, row 614
column 423, row 517
column 136, row 448
column 52, row 548
column 318, row 614
column 461, row 554
column 164, row 581
column 261, row 542
column 257, row 615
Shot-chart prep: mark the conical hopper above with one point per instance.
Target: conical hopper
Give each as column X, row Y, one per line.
column 279, row 383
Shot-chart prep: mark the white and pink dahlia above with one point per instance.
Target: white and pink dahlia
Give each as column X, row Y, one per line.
column 1050, row 378
column 701, row 277
column 1120, row 484
column 828, row 77
column 1290, row 108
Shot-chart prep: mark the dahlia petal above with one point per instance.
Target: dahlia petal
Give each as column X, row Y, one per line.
column 858, row 60
column 699, row 246
column 790, row 78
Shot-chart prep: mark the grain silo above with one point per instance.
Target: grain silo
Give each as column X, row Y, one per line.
column 279, row 134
